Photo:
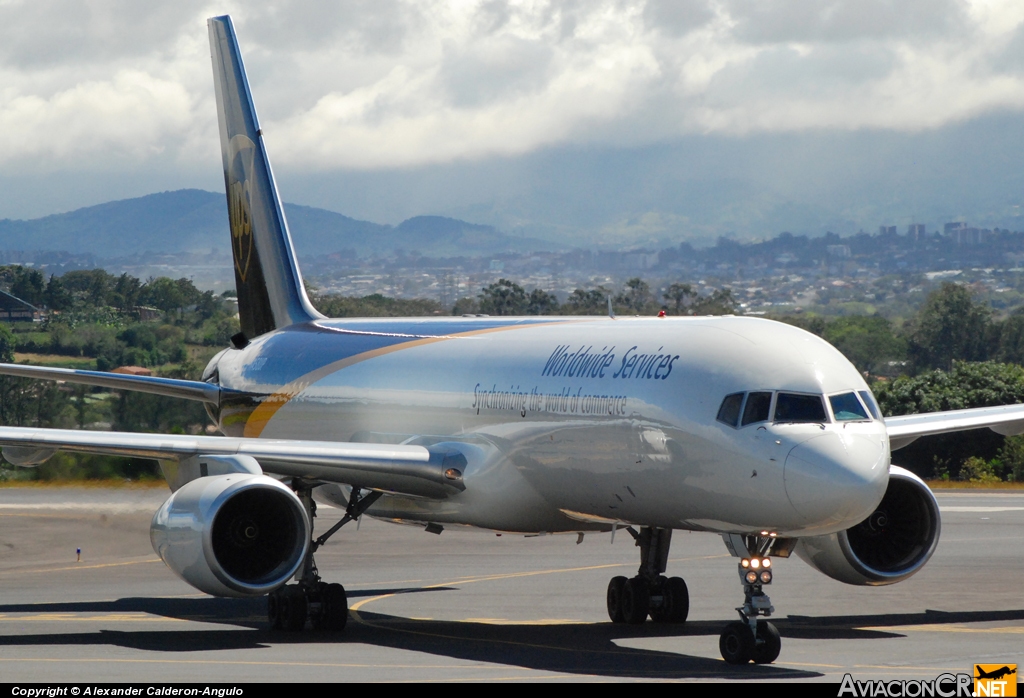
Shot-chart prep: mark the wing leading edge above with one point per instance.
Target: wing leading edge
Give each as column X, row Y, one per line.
column 413, row 470
column 1007, row 420
column 169, row 387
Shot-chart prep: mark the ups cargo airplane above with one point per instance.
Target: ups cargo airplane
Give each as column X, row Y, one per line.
column 742, row 427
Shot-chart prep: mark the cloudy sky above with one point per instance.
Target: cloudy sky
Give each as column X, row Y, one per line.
column 625, row 120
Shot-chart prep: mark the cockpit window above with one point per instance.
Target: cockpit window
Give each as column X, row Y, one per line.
column 846, row 408
column 757, row 407
column 869, row 400
column 729, row 412
column 793, row 407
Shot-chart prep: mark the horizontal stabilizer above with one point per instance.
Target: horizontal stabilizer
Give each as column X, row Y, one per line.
column 413, row 470
column 1006, row 420
column 168, row 387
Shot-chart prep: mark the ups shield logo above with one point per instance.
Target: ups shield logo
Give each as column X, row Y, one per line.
column 241, row 153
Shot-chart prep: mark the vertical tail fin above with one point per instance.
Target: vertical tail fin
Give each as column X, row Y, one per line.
column 270, row 290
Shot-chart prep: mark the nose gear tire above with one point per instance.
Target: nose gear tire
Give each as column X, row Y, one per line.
column 769, row 643
column 736, row 643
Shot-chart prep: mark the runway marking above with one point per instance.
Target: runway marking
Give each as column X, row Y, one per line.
column 948, row 628
column 514, row 575
column 44, row 515
column 939, row 494
column 542, row 621
column 79, row 567
column 91, row 507
column 979, row 509
column 820, row 666
column 377, row 584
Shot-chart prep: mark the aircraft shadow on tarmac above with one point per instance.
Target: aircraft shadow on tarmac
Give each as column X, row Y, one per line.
column 574, row 648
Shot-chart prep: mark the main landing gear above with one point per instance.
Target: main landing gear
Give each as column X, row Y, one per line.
column 324, row 605
column 751, row 639
column 649, row 593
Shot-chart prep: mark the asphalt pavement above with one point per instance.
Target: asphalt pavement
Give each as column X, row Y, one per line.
column 472, row 606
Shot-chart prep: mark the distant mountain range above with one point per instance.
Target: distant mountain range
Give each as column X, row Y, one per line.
column 192, row 220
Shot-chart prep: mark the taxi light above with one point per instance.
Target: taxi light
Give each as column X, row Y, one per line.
column 755, row 563
column 766, row 563
column 745, row 563
column 766, row 577
column 751, row 577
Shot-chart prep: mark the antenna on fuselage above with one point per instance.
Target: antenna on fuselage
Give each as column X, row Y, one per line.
column 611, row 313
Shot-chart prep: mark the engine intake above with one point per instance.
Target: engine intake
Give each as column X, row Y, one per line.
column 893, row 543
column 232, row 535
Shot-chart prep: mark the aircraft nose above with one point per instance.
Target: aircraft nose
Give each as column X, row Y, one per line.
column 836, row 480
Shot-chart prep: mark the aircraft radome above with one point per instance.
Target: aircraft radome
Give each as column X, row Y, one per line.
column 741, row 427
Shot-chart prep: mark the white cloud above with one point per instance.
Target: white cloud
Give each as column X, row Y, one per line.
column 396, row 83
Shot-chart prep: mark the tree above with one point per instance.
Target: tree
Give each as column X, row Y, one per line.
column 99, row 288
column 981, row 384
column 207, row 306
column 162, row 293
column 592, row 302
column 679, row 295
column 374, row 305
column 1009, row 347
column 125, row 295
column 466, row 306
column 815, row 324
column 503, row 298
column 7, row 344
column 57, row 296
column 636, row 295
column 867, row 341
column 950, row 327
column 28, row 285
column 541, row 303
column 720, row 302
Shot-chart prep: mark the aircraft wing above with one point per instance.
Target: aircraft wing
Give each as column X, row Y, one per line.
column 170, row 387
column 1006, row 420
column 414, row 470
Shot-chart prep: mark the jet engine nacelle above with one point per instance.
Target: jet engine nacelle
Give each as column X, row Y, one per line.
column 890, row 545
column 232, row 535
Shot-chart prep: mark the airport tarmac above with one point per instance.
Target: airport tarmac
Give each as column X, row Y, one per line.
column 472, row 606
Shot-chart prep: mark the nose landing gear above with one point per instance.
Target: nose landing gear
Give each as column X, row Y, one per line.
column 751, row 639
column 649, row 593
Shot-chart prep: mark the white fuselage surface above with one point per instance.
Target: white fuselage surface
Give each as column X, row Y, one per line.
column 572, row 424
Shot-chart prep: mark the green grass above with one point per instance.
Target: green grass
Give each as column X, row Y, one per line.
column 57, row 360
column 961, row 485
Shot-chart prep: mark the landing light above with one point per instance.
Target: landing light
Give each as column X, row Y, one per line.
column 755, row 563
column 766, row 577
column 751, row 577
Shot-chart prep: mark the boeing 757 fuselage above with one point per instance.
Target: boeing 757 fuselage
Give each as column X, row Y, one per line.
column 578, row 424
